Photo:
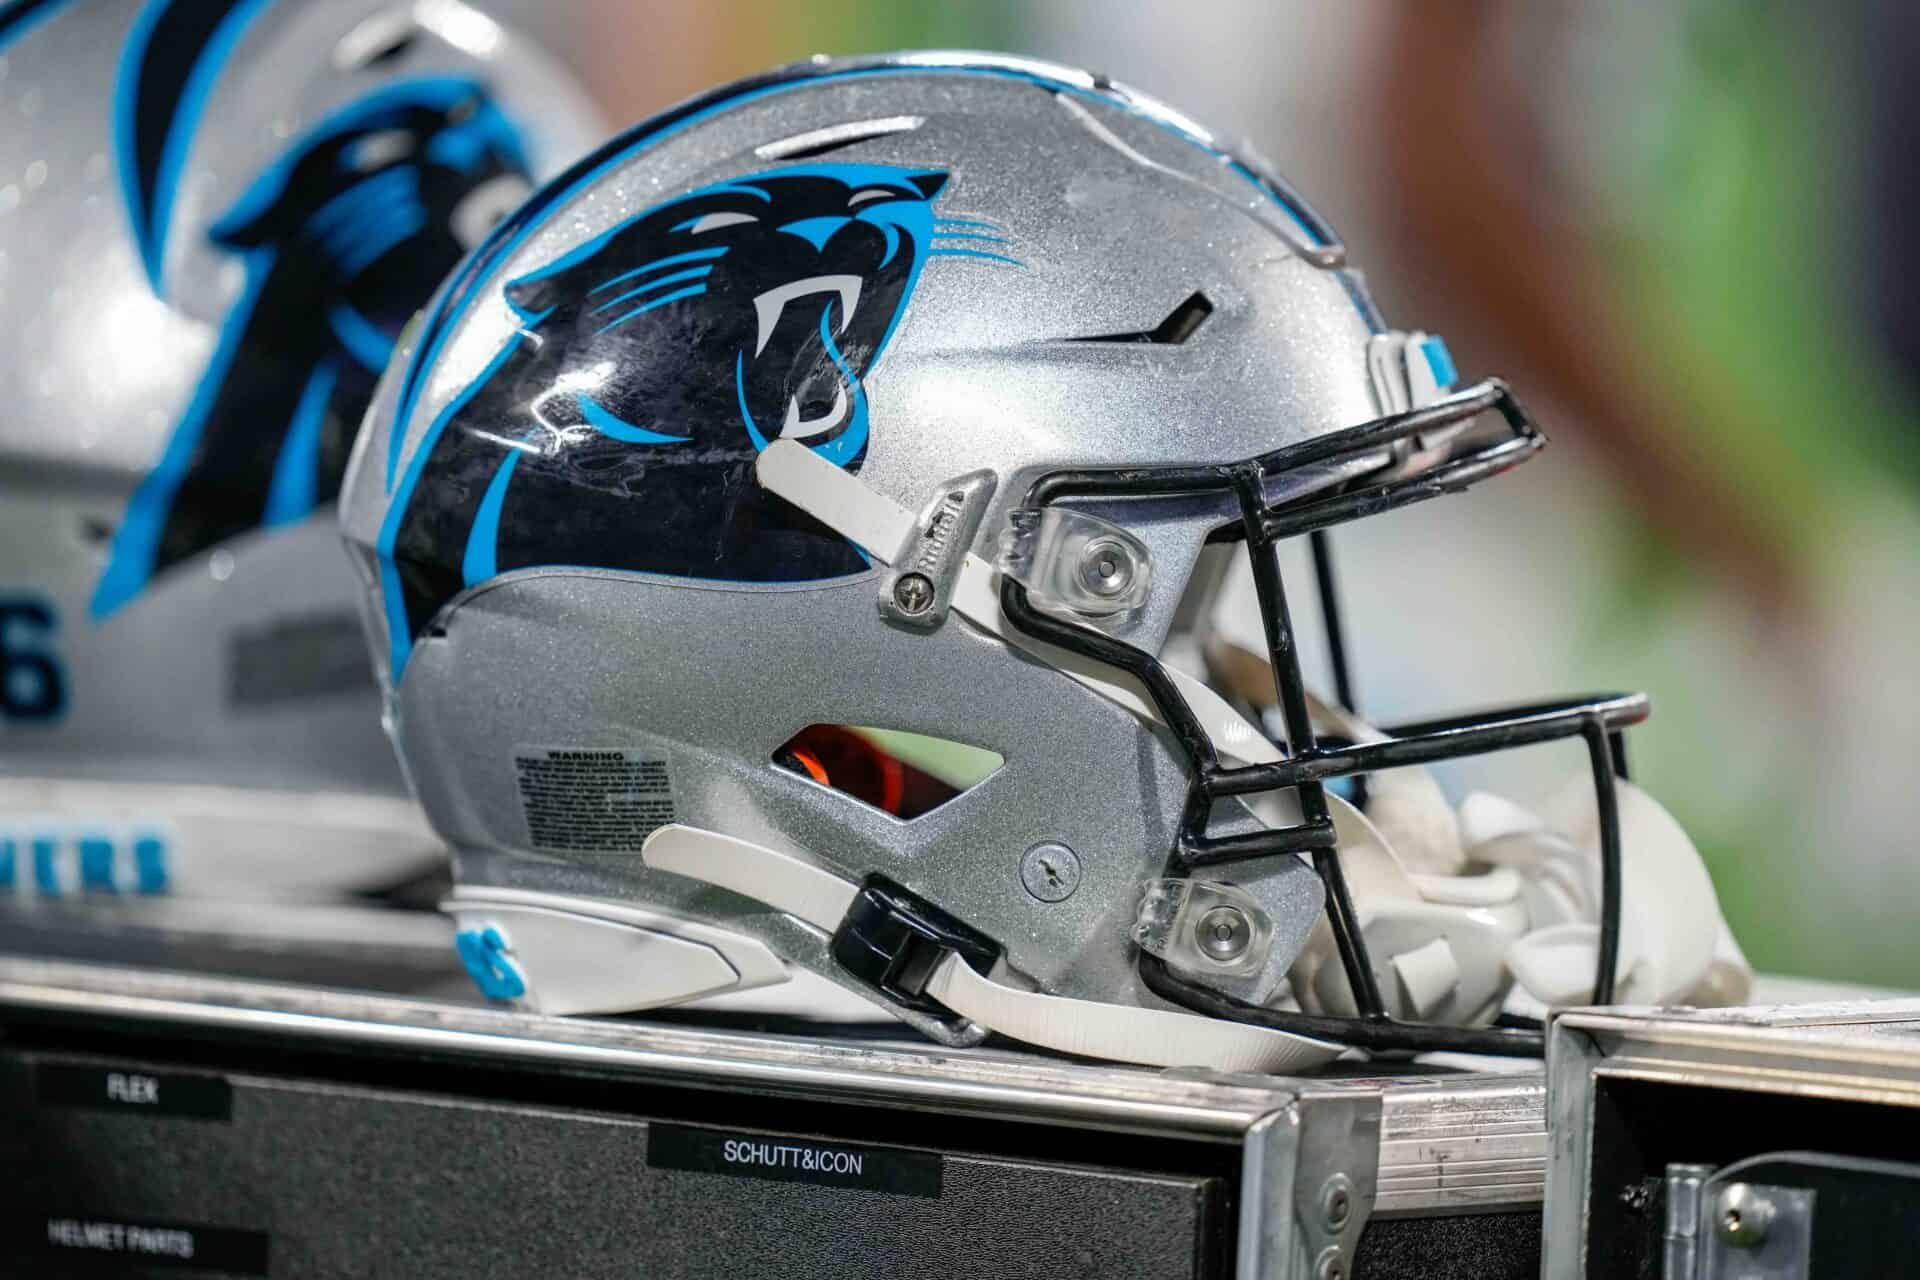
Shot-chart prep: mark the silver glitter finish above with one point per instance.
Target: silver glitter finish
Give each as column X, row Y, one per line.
column 1117, row 218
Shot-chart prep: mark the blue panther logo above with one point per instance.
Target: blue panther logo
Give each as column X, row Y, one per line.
column 618, row 427
column 341, row 240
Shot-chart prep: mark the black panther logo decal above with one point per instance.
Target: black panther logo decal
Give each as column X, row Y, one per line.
column 618, row 427
column 341, row 240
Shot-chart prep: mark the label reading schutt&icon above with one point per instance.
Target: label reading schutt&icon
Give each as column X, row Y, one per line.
column 756, row 1155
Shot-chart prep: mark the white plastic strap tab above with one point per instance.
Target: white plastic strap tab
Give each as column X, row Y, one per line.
column 1122, row 1033
column 780, row 880
column 845, row 504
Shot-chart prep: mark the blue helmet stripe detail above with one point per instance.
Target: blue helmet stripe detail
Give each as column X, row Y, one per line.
column 974, row 253
column 398, row 639
column 370, row 193
column 738, row 189
column 137, row 544
column 846, row 446
column 365, row 341
column 674, row 277
column 816, row 231
column 672, row 260
column 609, row 423
column 21, row 16
column 382, row 240
column 152, row 210
column 1440, row 362
column 296, row 471
column 483, row 540
column 676, row 296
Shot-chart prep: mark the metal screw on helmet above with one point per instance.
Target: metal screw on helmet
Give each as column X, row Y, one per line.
column 1106, row 567
column 1331, row 1265
column 1336, row 1201
column 913, row 593
column 1223, row 933
column 1051, row 872
column 1742, row 1216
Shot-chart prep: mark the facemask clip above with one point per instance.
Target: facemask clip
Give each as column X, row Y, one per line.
column 1075, row 563
column 1203, row 928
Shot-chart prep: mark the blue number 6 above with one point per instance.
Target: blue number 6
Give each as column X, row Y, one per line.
column 32, row 684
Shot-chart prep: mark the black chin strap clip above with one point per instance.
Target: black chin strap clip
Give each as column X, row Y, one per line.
column 892, row 939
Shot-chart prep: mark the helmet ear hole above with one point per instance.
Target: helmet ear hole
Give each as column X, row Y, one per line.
column 901, row 774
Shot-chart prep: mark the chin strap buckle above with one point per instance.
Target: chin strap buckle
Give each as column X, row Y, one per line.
column 892, row 939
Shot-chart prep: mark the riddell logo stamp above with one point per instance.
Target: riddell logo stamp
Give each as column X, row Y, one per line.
column 931, row 553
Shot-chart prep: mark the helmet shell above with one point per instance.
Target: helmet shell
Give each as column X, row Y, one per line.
column 922, row 266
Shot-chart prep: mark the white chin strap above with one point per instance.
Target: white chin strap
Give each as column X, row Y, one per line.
column 1120, row 1033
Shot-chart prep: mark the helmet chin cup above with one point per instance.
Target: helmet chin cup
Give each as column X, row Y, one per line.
column 1438, row 942
column 1671, row 934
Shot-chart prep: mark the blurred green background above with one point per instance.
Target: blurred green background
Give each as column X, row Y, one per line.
column 1683, row 232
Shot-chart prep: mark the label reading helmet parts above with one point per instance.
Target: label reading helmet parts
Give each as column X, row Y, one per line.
column 145, row 1243
column 781, row 1159
column 592, row 799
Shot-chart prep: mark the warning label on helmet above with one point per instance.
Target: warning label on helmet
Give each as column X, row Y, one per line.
column 592, row 800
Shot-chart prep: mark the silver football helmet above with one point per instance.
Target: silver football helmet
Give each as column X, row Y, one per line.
column 790, row 540
column 214, row 220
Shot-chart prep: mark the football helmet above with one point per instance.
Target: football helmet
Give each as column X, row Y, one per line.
column 214, row 220
column 786, row 543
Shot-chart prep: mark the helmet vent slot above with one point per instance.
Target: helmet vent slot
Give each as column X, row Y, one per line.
column 1181, row 323
column 378, row 43
column 899, row 773
column 819, row 142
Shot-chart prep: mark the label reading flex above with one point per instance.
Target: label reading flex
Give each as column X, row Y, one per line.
column 118, row 1089
column 829, row 1164
column 592, row 800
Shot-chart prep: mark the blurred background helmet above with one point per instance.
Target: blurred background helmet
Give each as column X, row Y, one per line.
column 796, row 538
column 215, row 219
